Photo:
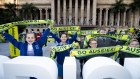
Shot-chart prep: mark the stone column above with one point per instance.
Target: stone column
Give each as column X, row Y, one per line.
column 70, row 12
column 46, row 9
column 52, row 10
column 94, row 12
column 40, row 13
column 76, row 12
column 99, row 17
column 88, row 11
column 64, row 12
column 58, row 12
column 138, row 16
column 106, row 20
column 112, row 19
column 37, row 15
column 100, row 22
column 129, row 20
column 115, row 19
column 124, row 18
column 82, row 11
column 104, row 17
column 132, row 18
column 118, row 20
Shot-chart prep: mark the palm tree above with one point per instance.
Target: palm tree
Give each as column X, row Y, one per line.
column 118, row 7
column 2, row 15
column 8, row 14
column 5, row 16
column 11, row 8
column 135, row 7
column 28, row 10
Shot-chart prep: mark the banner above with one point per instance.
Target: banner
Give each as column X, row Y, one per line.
column 88, row 32
column 104, row 51
column 114, row 36
column 79, row 53
column 26, row 22
column 13, row 50
column 73, row 32
column 50, row 39
column 83, row 32
column 131, row 50
column 65, row 28
column 62, row 48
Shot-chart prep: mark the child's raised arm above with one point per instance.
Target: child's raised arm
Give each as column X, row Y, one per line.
column 43, row 38
column 73, row 38
column 12, row 40
column 55, row 37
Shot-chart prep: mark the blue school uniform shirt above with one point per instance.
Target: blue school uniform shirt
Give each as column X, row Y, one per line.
column 37, row 45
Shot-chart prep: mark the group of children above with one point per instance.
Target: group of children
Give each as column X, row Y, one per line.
column 31, row 47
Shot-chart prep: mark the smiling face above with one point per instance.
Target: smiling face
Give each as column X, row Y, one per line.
column 30, row 38
column 63, row 38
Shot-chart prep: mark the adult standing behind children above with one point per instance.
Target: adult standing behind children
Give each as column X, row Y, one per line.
column 105, row 41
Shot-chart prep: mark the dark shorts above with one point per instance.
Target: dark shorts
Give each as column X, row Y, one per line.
column 60, row 70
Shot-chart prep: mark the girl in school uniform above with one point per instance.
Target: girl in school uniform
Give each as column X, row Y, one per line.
column 63, row 40
column 30, row 47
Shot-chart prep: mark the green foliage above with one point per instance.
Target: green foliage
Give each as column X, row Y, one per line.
column 11, row 8
column 28, row 10
column 8, row 14
column 119, row 6
column 135, row 5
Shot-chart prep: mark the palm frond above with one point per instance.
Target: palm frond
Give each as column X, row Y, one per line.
column 119, row 6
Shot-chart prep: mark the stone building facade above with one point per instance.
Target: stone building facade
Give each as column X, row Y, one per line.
column 82, row 12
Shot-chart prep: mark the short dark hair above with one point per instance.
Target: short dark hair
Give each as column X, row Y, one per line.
column 64, row 34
